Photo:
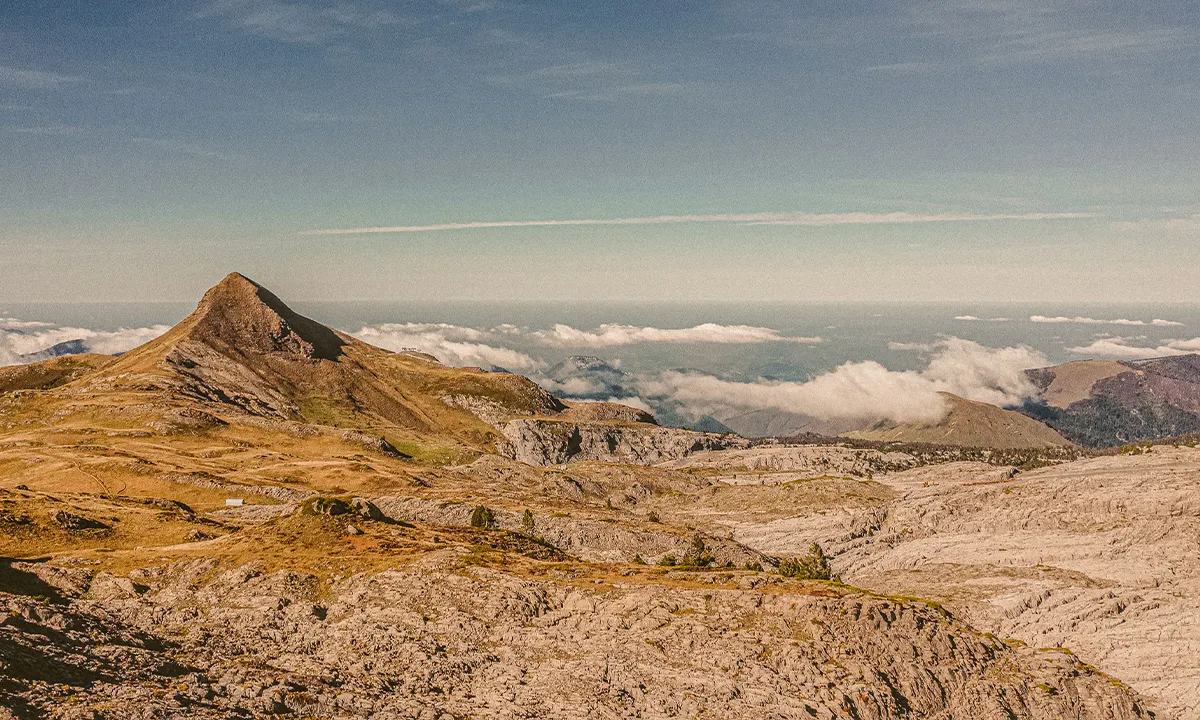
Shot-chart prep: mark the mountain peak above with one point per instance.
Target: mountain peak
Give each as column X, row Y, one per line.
column 244, row 316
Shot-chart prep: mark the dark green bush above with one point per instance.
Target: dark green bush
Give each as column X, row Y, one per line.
column 813, row 566
column 483, row 518
column 697, row 554
column 326, row 506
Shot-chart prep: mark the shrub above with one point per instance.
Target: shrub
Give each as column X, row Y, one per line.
column 638, row 560
column 813, row 566
column 483, row 518
column 527, row 524
column 754, row 566
column 653, row 517
column 697, row 554
column 667, row 561
column 326, row 506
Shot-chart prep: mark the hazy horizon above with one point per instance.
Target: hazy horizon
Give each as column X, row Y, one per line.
column 682, row 361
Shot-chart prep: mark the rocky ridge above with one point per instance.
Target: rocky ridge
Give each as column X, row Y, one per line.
column 554, row 442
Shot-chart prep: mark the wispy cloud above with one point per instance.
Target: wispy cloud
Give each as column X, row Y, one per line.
column 458, row 345
column 35, row 79
column 302, row 23
column 923, row 36
column 767, row 218
column 451, row 344
column 8, row 323
column 595, row 80
column 613, row 335
column 635, row 90
column 972, row 318
column 1121, row 348
column 1094, row 321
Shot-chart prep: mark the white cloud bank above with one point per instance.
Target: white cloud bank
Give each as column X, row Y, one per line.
column 766, row 218
column 1119, row 347
column 867, row 390
column 25, row 337
column 461, row 346
column 1094, row 321
column 613, row 334
column 451, row 344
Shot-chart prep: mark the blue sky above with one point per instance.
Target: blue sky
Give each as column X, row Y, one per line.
column 927, row 150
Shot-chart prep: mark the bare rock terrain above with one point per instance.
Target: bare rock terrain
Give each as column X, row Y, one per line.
column 1100, row 555
column 447, row 640
column 553, row 442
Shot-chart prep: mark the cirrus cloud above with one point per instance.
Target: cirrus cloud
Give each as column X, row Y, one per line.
column 763, row 218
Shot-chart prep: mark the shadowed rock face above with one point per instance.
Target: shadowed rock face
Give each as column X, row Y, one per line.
column 240, row 316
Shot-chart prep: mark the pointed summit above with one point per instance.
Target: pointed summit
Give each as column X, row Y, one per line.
column 243, row 347
column 243, row 316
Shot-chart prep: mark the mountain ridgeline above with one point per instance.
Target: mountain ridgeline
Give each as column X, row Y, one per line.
column 243, row 350
column 244, row 356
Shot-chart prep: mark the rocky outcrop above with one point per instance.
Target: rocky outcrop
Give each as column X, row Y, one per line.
column 591, row 539
column 553, row 442
column 447, row 640
column 607, row 412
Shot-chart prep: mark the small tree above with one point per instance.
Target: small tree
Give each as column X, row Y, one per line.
column 813, row 566
column 483, row 518
column 667, row 561
column 527, row 527
column 697, row 554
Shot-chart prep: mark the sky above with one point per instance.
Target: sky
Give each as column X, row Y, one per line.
column 732, row 150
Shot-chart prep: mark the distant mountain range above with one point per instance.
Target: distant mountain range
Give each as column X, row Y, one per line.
column 67, row 347
column 244, row 346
